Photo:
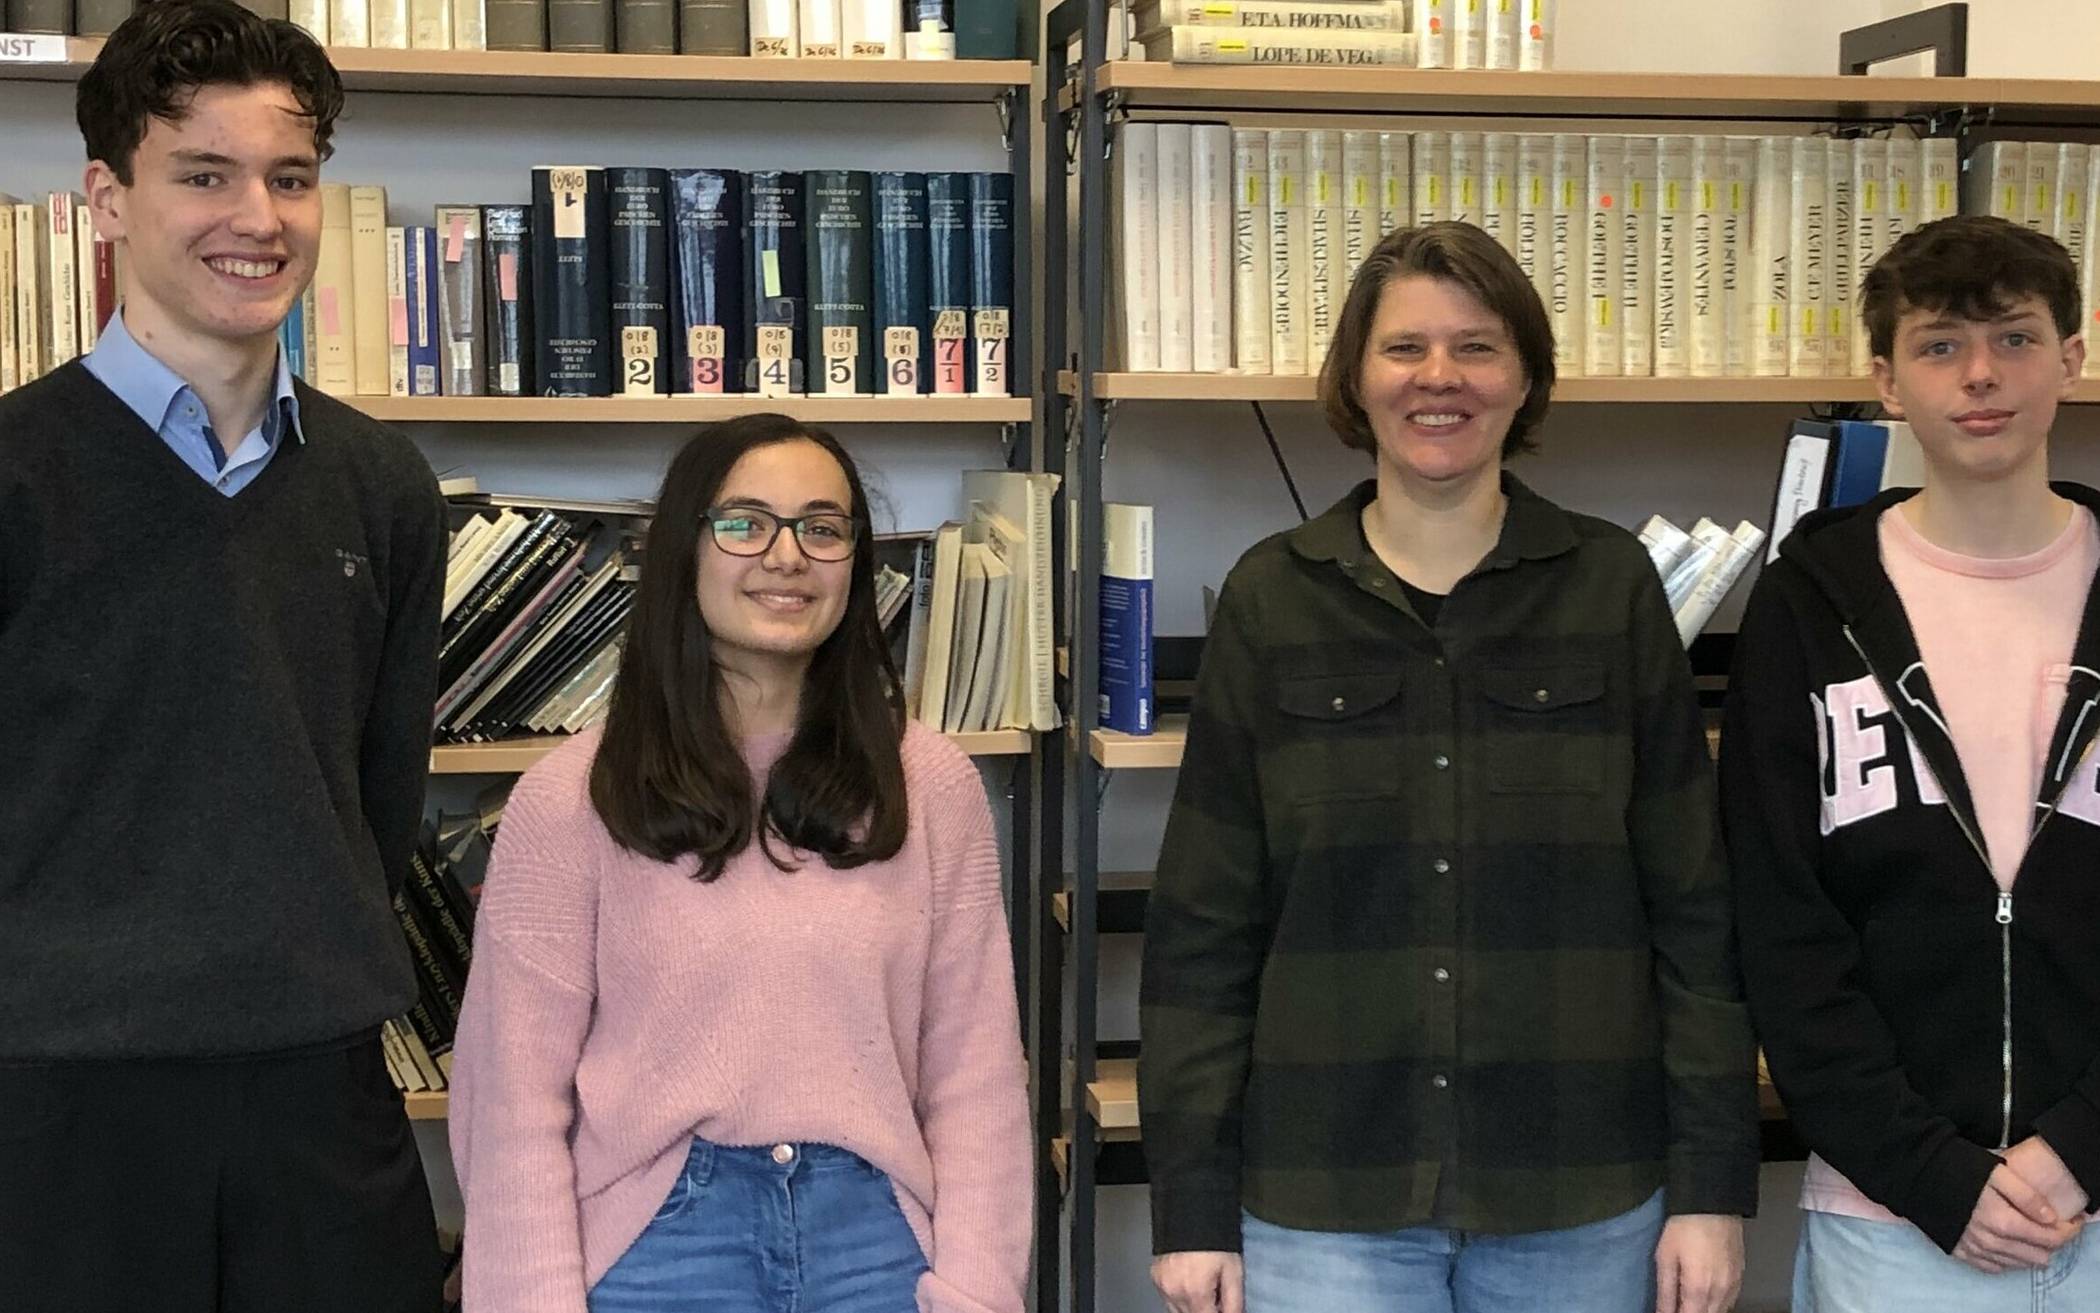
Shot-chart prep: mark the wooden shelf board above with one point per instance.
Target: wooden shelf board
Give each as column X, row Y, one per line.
column 513, row 756
column 428, row 1107
column 1111, row 1100
column 1159, row 750
column 1146, row 85
column 1301, row 388
column 692, row 409
column 1107, row 882
column 686, row 77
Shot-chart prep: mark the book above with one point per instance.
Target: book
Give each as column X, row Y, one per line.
column 1360, row 15
column 1360, row 201
column 1803, row 471
column 29, row 301
column 1997, row 181
column 1732, row 556
column 1859, row 451
column 1837, row 308
column 1325, row 284
column 775, row 29
column 1498, row 184
column 57, row 258
column 1337, row 47
column 818, row 25
column 1024, row 501
column 974, row 586
column 1171, row 180
column 940, row 625
column 991, row 675
column 987, row 29
column 840, row 350
column 638, row 219
column 571, row 296
column 1469, row 30
column 2073, row 173
column 646, row 27
column 310, row 16
column 1211, row 243
column 1906, row 178
column 583, row 27
column 1430, row 189
column 776, row 304
column 948, row 286
column 1537, row 24
column 1289, row 278
column 991, row 283
column 335, row 304
column 430, row 24
column 1637, row 259
column 1250, row 250
column 517, row 24
column 1870, row 171
column 1738, row 206
column 1564, row 302
column 1432, row 27
column 9, row 353
column 1535, row 210
column 1126, row 619
column 1809, row 250
column 708, row 281
column 1770, row 284
column 469, row 25
column 1504, row 30
column 465, row 352
column 350, row 24
column 369, row 348
column 1674, row 200
column 874, row 29
column 2038, row 210
column 93, row 310
column 389, row 24
column 1603, row 265
column 1462, row 181
column 902, row 320
column 1705, row 306
column 420, row 272
column 1396, row 170
column 506, row 291
column 1134, row 189
column 714, row 27
column 1939, row 168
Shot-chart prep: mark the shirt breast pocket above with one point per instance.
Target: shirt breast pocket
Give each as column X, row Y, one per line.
column 1547, row 729
column 1337, row 734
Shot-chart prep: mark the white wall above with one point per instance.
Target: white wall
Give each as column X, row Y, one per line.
column 2025, row 38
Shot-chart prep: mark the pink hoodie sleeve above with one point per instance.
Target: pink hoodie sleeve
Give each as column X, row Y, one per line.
column 973, row 1080
column 521, row 1031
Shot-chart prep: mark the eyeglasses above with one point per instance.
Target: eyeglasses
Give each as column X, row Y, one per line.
column 749, row 531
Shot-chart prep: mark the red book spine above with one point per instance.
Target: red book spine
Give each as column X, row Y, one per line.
column 105, row 283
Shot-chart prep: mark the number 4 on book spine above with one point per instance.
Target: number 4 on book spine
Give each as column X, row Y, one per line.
column 950, row 352
column 776, row 348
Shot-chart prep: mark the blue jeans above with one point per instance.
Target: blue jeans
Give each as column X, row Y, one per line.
column 1600, row 1267
column 798, row 1228
column 1851, row 1265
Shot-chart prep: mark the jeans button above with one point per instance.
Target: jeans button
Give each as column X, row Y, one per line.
column 783, row 1154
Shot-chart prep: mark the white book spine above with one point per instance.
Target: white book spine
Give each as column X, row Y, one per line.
column 1463, row 183
column 1939, row 191
column 1800, row 485
column 1360, row 201
column 390, row 26
column 2073, row 170
column 1738, row 200
column 1177, row 347
column 469, row 25
column 1771, row 259
column 1809, row 244
column 2089, row 268
column 1469, row 34
column 1505, row 22
column 1870, row 224
column 1325, row 283
column 10, row 377
column 873, row 29
column 1906, row 176
column 1571, row 208
column 1396, row 206
column 397, row 312
column 1250, row 251
column 84, row 275
column 1498, row 186
column 1210, row 246
column 1535, row 210
column 1730, row 560
column 1137, row 232
column 28, row 308
column 775, row 33
column 1432, row 173
column 349, row 23
column 1673, row 285
column 2040, row 212
column 1837, row 310
column 1432, row 29
column 430, row 24
column 1997, row 180
column 1603, row 349
column 1666, row 543
column 1637, row 259
column 1535, row 37
column 62, row 290
column 1702, row 249
column 820, row 26
column 311, row 16
column 1289, row 280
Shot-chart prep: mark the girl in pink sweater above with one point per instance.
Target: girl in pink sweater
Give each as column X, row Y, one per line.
column 741, row 1034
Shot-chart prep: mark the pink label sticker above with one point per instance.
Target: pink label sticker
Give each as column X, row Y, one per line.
column 324, row 303
column 397, row 309
column 455, row 238
column 507, row 275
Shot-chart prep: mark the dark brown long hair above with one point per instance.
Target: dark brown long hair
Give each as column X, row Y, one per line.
column 669, row 780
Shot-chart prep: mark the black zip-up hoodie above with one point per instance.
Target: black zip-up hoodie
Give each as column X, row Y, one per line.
column 1915, row 1020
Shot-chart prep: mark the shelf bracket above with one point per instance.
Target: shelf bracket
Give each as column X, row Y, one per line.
column 1006, row 104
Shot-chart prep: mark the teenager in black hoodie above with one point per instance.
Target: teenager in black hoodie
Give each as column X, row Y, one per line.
column 1913, row 816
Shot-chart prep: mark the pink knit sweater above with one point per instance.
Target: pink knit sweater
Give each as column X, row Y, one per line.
column 617, row 1008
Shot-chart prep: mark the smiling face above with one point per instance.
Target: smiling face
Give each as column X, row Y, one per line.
column 1441, row 381
column 221, row 221
column 1981, row 395
column 775, row 610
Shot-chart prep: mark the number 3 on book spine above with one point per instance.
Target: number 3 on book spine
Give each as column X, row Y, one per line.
column 776, row 348
column 841, row 359
column 900, row 355
column 705, row 347
column 950, row 352
column 638, row 360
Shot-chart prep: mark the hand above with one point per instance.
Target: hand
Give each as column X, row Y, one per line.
column 1699, row 1264
column 1201, row 1281
column 2013, row 1225
column 2039, row 1166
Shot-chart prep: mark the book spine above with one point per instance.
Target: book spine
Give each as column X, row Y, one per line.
column 1809, row 244
column 1535, row 210
column 991, row 283
column 1637, row 259
column 389, row 24
column 1288, row 277
column 875, row 30
column 89, row 324
column 517, row 24
column 28, row 307
column 430, row 24
column 10, row 365
column 1604, row 349
column 101, row 17
column 469, row 25
column 646, row 27
column 1172, row 166
column 1997, row 181
column 1870, row 170
column 582, row 27
column 397, row 312
column 1126, row 619
column 368, row 288
column 1906, row 175
column 349, row 23
column 506, row 289
column 1462, row 183
column 902, row 317
column 840, row 350
column 818, row 24
column 1250, row 251
column 1498, row 184
column 2039, row 210
column 1540, row 20
column 708, row 280
column 571, row 293
column 1136, row 236
column 335, row 307
column 1673, row 221
column 1705, row 305
column 1800, row 484
column 61, row 281
column 2073, row 166
column 1432, row 33
column 464, row 353
column 39, row 17
column 1359, row 15
column 1771, row 260
column 1505, row 23
column 638, row 216
column 1570, row 213
column 1738, row 201
column 425, row 350
column 948, row 281
column 1211, row 243
column 1324, row 288
column 310, row 16
column 1396, row 173
column 1837, row 306
column 1469, row 33
column 1360, row 230
column 2089, row 269
column 714, row 27
column 774, row 29
column 1939, row 168
column 776, row 304
column 1432, row 174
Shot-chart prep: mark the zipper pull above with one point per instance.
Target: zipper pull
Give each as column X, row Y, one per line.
column 2004, row 909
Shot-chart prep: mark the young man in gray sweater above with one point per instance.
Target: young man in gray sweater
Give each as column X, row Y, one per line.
column 219, row 597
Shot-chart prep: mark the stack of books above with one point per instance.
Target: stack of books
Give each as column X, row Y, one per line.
column 1699, row 568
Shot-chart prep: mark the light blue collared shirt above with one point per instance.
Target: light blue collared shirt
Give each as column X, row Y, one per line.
column 172, row 409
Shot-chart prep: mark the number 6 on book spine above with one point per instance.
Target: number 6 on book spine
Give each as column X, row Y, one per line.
column 900, row 354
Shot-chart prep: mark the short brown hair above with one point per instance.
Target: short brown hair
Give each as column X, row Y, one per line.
column 1973, row 266
column 1457, row 253
column 152, row 66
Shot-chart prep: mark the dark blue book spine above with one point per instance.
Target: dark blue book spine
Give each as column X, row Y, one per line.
column 291, row 334
column 991, row 282
column 572, row 294
column 839, row 357
column 506, row 289
column 639, row 215
column 421, row 254
column 1855, row 473
column 775, row 297
column 948, row 279
column 707, row 273
column 902, row 320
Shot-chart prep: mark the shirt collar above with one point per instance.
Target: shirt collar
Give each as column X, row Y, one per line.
column 1533, row 529
column 141, row 381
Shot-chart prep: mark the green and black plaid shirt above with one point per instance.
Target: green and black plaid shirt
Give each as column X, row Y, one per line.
column 1442, row 929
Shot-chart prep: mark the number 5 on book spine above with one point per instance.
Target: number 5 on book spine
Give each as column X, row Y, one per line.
column 776, row 347
column 705, row 347
column 950, row 352
column 841, row 359
column 900, row 354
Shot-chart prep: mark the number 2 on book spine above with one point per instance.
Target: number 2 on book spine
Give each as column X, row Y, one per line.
column 900, row 354
column 950, row 352
column 705, row 347
column 638, row 360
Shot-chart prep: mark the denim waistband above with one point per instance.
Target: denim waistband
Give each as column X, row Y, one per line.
column 773, row 1160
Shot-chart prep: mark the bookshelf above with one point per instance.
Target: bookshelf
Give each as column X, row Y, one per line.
column 1111, row 386
column 689, row 409
column 427, row 1107
column 513, row 756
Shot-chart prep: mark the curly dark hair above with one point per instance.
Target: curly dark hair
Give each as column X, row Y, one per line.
column 1971, row 266
column 152, row 66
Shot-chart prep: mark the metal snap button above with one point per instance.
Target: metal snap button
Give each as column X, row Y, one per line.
column 1541, row 695
column 1440, row 1080
column 1441, row 975
column 1440, row 866
column 783, row 1154
column 1443, row 762
column 1338, row 704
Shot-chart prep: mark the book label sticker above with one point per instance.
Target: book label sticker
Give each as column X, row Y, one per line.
column 991, row 334
column 331, row 315
column 776, row 352
column 32, row 49
column 397, row 320
column 950, row 328
column 507, row 378
column 706, row 345
column 637, row 361
column 841, row 359
column 771, row 47
column 455, row 237
column 769, row 272
column 900, row 354
column 507, row 276
column 568, row 187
